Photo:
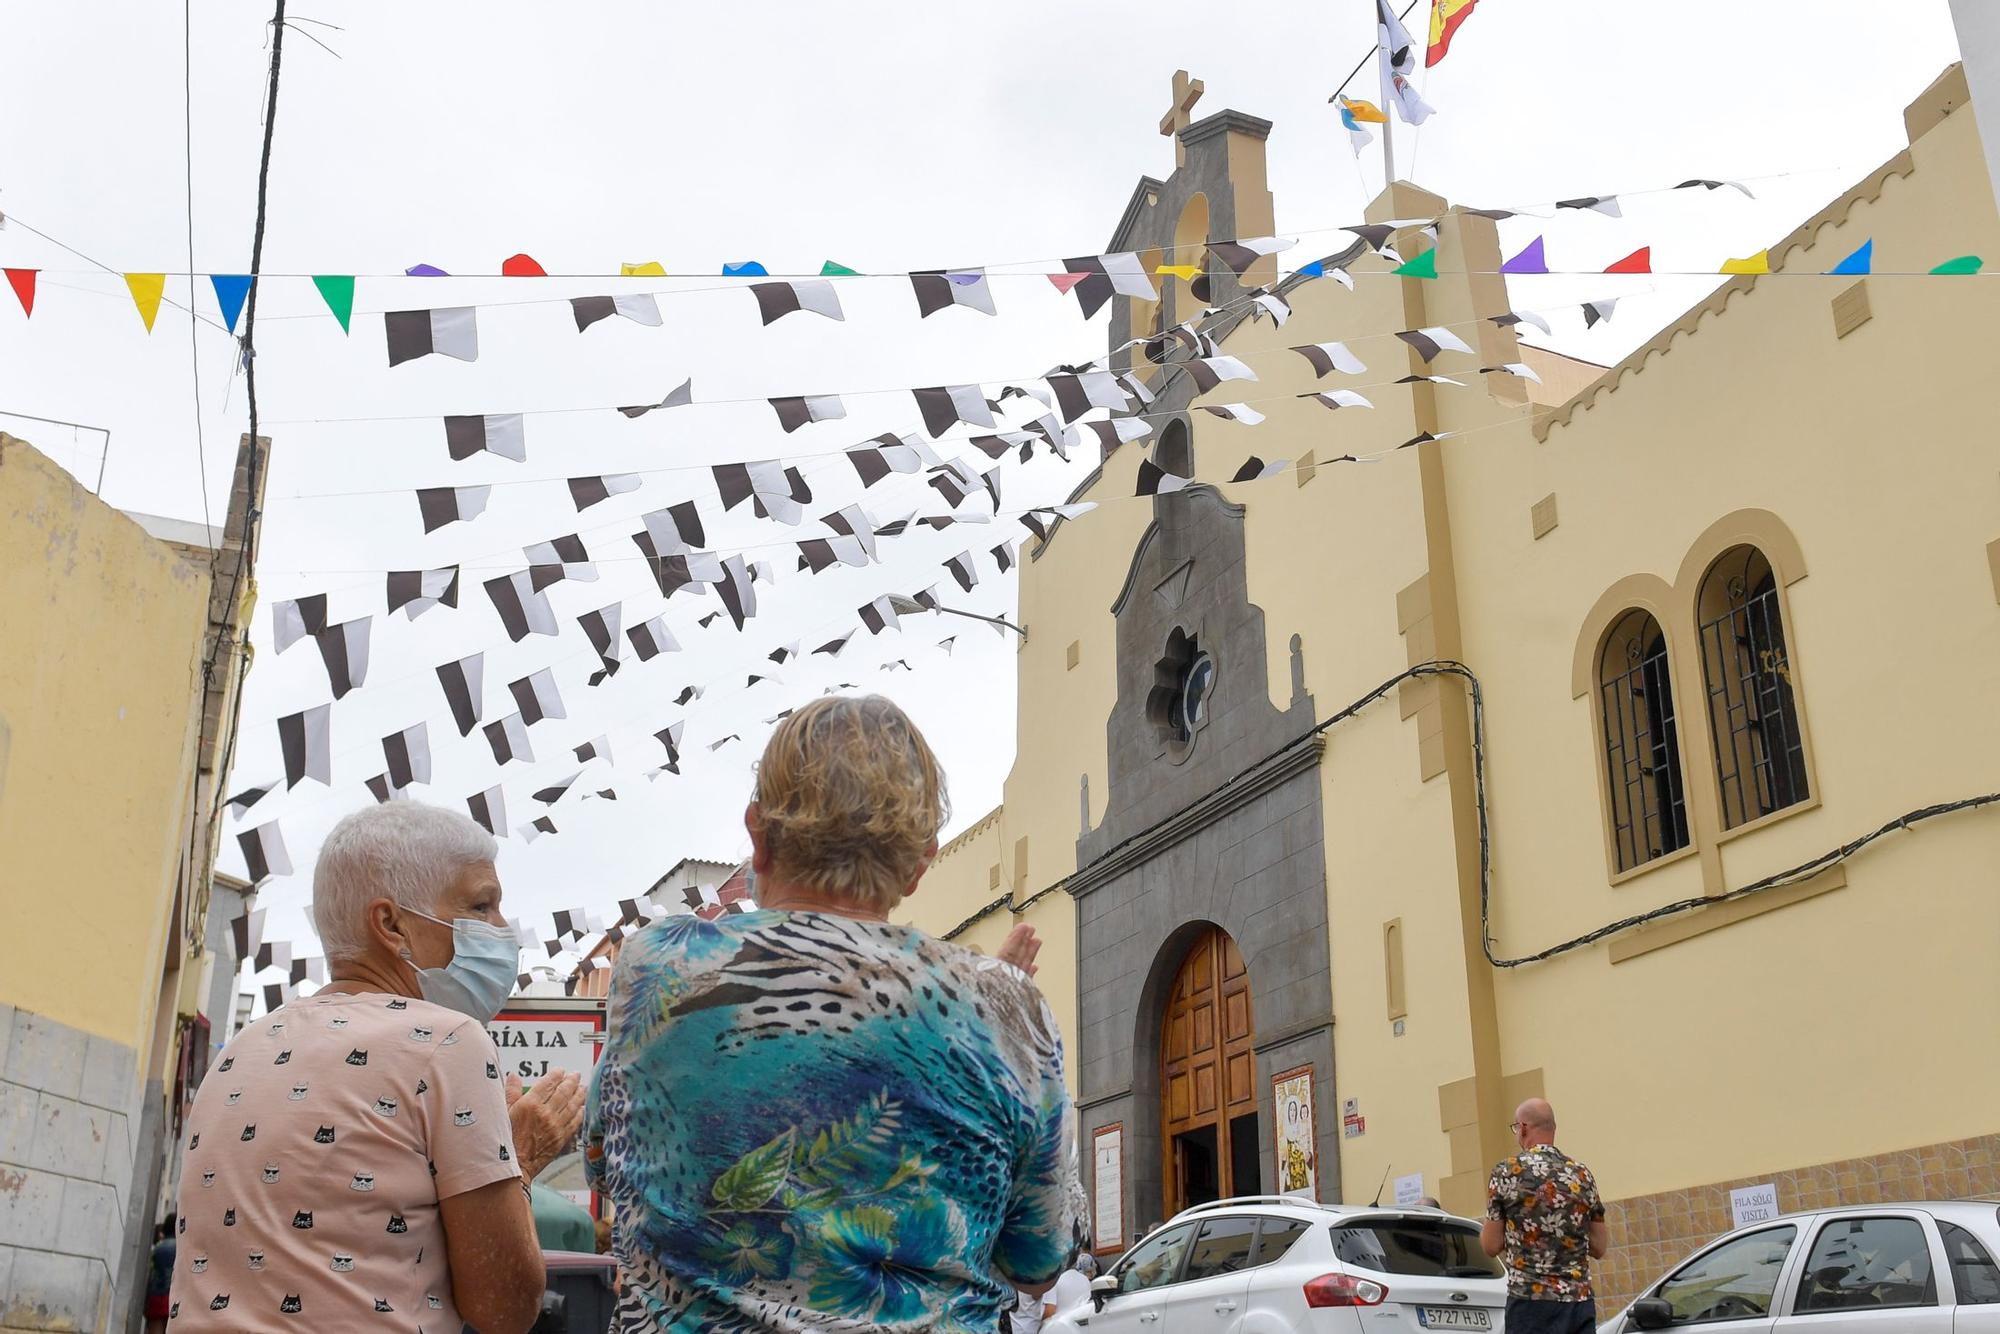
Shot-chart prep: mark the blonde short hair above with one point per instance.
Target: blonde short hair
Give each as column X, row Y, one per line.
column 849, row 797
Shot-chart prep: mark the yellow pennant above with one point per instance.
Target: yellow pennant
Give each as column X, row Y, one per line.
column 1185, row 272
column 146, row 289
column 650, row 269
column 1757, row 263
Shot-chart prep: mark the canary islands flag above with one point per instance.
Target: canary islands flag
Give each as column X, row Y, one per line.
column 1446, row 15
column 1353, row 114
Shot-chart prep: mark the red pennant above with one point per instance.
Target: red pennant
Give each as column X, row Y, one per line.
column 1065, row 281
column 1639, row 261
column 23, row 283
column 521, row 266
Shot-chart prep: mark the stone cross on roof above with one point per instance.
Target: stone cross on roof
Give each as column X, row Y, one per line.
column 1180, row 115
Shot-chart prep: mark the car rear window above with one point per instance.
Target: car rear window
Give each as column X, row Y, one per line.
column 1428, row 1247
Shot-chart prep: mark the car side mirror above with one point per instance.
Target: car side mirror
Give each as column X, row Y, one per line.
column 1102, row 1287
column 1652, row 1313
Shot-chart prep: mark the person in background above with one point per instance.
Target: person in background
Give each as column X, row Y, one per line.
column 160, row 1276
column 1026, row 1315
column 354, row 1159
column 807, row 1117
column 561, row 1224
column 1072, row 1289
column 1544, row 1218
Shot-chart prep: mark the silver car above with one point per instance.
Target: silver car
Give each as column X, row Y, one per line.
column 1872, row 1269
column 1277, row 1264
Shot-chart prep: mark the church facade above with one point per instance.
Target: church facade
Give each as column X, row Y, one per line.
column 1360, row 801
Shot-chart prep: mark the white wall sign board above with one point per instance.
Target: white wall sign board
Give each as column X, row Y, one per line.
column 1753, row 1204
column 1410, row 1189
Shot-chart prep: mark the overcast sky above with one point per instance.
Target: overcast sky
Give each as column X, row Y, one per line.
column 886, row 136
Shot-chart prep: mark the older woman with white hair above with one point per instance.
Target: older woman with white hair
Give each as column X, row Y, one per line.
column 354, row 1157
column 810, row 1118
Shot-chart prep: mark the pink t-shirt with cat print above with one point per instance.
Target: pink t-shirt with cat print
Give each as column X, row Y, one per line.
column 320, row 1143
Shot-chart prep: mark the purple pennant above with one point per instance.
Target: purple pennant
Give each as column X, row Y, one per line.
column 1530, row 260
column 425, row 271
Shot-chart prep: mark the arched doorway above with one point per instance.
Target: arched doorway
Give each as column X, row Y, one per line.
column 1208, row 1078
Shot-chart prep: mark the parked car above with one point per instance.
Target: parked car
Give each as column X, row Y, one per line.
column 1871, row 1269
column 1276, row 1264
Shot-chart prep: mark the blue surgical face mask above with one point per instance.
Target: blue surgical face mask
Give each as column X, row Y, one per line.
column 485, row 962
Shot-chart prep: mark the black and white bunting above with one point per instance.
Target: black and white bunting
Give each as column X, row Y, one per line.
column 524, row 609
column 463, row 682
column 344, row 649
column 414, row 592
column 305, row 739
column 263, row 854
column 804, row 409
column 504, row 434
column 678, row 397
column 293, row 620
column 1328, row 357
column 408, row 756
column 509, row 739
column 775, row 490
column 777, row 300
column 489, row 808
column 442, row 505
column 940, row 289
column 536, row 696
column 652, row 638
column 588, row 491
column 639, row 307
column 946, row 405
column 601, row 627
column 451, row 332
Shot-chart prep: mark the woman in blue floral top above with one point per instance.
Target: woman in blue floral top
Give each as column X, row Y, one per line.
column 807, row 1118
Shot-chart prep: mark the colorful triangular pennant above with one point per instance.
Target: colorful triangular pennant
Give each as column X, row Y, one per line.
column 833, row 270
column 1750, row 265
column 1862, row 261
column 1639, row 261
column 1963, row 264
column 337, row 290
column 146, row 289
column 23, row 283
column 230, row 291
column 1422, row 266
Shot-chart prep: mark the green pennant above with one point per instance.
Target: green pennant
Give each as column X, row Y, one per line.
column 1963, row 264
column 1423, row 266
column 833, row 270
column 338, row 290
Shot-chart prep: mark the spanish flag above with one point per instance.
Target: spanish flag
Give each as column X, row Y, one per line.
column 1446, row 15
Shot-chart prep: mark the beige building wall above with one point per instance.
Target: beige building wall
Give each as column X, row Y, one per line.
column 1823, row 1036
column 1837, row 1028
column 99, row 701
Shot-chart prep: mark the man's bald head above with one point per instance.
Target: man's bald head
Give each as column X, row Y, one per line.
column 1535, row 1122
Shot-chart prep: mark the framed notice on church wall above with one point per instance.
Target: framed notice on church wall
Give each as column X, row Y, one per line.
column 1107, row 1188
column 1297, row 1131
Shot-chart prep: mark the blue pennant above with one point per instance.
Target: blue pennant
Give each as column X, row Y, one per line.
column 1861, row 261
column 230, row 291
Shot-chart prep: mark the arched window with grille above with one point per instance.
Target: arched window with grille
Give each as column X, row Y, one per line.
column 1753, row 714
column 1642, row 753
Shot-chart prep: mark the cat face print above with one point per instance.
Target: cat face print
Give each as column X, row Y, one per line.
column 462, row 1116
column 303, row 1220
column 291, row 1305
column 338, row 1021
column 399, row 1005
column 492, row 1070
column 208, row 1178
column 324, row 1135
column 229, row 1218
column 423, row 1087
column 450, row 1040
column 396, row 1224
column 219, row 1302
column 235, row 1096
column 420, row 1034
column 227, row 1061
column 250, row 1131
column 362, row 1181
column 342, row 1262
column 357, row 1057
column 284, row 1057
column 254, row 1260
column 297, row 1094
column 199, row 1264
column 270, row 1172
column 382, row 1304
column 386, row 1106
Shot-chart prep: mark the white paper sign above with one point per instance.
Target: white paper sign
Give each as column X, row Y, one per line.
column 1753, row 1204
column 1108, row 1185
column 1410, row 1189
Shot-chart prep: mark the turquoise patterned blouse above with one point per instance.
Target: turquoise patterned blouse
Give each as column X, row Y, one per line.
column 808, row 1122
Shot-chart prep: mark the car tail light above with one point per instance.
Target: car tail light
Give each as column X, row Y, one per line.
column 1344, row 1290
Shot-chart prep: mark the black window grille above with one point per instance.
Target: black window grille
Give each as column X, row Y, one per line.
column 1753, row 715
column 1642, row 753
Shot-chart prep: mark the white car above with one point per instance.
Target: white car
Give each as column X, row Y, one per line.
column 1871, row 1269
column 1276, row 1264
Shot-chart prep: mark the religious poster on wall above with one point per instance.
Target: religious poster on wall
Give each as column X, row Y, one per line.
column 1297, row 1130
column 1107, row 1187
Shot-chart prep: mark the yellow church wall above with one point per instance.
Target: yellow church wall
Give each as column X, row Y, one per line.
column 1325, row 559
column 99, row 672
column 1843, row 1024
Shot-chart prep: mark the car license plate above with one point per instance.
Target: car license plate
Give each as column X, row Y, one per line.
column 1454, row 1317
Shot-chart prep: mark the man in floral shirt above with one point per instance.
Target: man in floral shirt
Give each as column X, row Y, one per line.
column 1544, row 1216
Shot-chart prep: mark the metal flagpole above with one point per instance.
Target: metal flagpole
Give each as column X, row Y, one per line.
column 1388, row 94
